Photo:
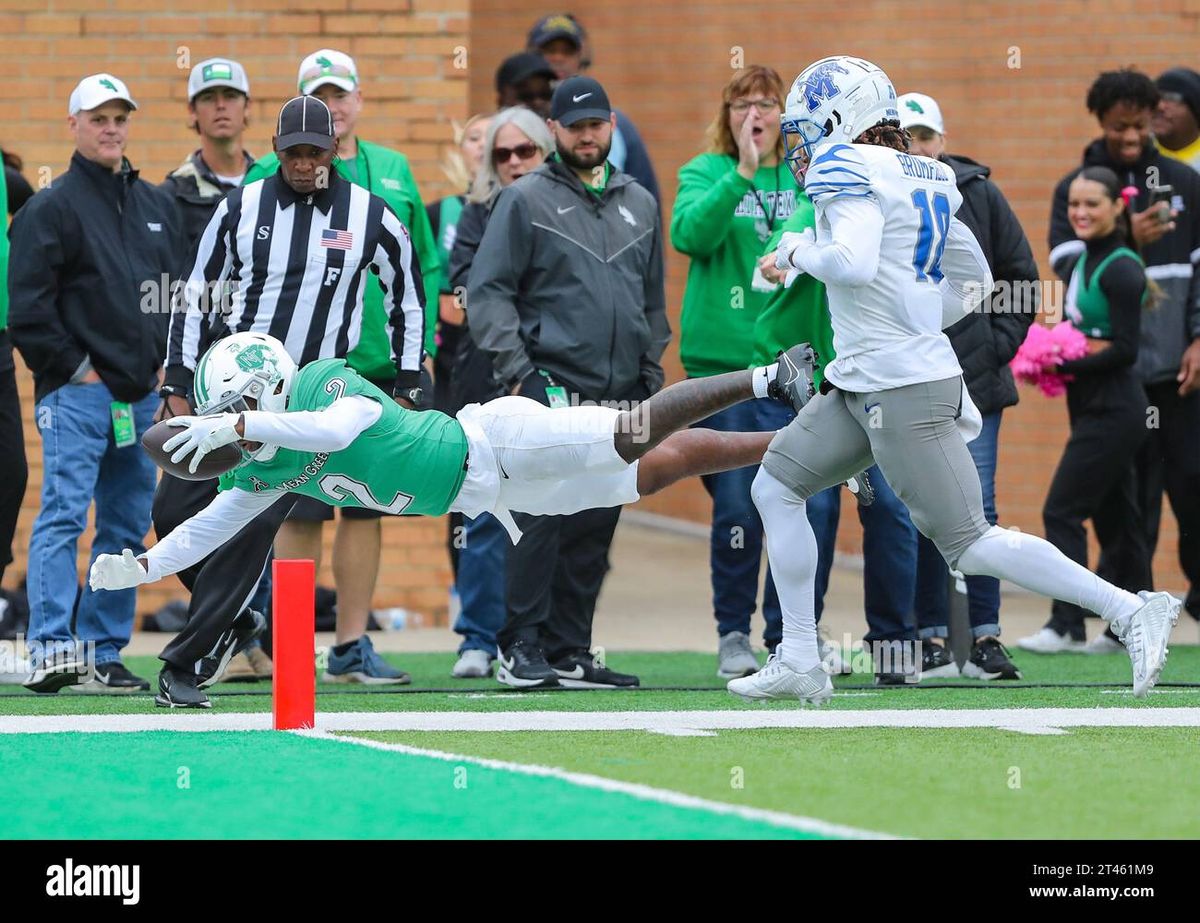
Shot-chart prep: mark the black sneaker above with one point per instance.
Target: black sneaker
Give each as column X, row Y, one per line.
column 64, row 669
column 584, row 670
column 113, row 677
column 936, row 661
column 793, row 381
column 248, row 625
column 523, row 666
column 177, row 689
column 989, row 660
column 862, row 488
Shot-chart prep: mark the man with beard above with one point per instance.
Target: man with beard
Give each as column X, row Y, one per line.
column 566, row 295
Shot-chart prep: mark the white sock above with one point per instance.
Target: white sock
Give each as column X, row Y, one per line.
column 792, row 551
column 762, row 375
column 1035, row 564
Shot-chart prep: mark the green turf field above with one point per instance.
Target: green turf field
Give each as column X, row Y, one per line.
column 427, row 761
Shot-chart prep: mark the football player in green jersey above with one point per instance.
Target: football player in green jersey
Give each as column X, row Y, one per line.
column 326, row 432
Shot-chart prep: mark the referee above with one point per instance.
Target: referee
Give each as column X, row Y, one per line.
column 288, row 255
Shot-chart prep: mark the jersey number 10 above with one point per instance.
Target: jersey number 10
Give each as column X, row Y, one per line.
column 934, row 222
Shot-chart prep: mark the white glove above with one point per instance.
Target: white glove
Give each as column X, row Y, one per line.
column 201, row 435
column 117, row 572
column 789, row 243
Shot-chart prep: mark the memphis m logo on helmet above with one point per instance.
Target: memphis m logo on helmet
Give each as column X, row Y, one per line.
column 833, row 101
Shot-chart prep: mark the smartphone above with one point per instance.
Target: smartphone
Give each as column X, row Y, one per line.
column 1159, row 195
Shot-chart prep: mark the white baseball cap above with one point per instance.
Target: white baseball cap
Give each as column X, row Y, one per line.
column 919, row 109
column 327, row 66
column 217, row 72
column 95, row 91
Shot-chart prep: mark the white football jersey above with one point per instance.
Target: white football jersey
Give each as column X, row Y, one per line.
column 888, row 332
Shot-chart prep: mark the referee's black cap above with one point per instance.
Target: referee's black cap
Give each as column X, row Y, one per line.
column 304, row 120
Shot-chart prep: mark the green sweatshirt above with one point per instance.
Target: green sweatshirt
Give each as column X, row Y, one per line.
column 721, row 224
column 798, row 313
column 385, row 173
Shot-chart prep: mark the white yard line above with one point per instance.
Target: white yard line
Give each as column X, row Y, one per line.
column 1009, row 718
column 643, row 792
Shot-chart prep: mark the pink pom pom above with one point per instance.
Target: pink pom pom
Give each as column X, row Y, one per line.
column 1044, row 346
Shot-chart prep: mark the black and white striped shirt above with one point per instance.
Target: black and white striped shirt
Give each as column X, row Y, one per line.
column 295, row 266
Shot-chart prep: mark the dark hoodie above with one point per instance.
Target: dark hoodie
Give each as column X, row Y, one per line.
column 986, row 340
column 1169, row 328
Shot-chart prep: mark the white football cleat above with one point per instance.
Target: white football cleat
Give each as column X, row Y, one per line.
column 776, row 680
column 1145, row 634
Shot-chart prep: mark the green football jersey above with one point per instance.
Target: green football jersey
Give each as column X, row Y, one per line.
column 406, row 462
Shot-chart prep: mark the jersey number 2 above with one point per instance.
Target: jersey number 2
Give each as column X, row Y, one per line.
column 340, row 487
column 935, row 222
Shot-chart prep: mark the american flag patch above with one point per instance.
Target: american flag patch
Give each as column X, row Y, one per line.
column 337, row 240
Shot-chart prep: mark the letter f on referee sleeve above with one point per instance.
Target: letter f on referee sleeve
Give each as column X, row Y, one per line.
column 404, row 301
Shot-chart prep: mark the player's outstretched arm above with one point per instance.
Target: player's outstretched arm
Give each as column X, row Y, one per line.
column 188, row 543
column 851, row 256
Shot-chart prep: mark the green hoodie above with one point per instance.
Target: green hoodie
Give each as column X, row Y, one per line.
column 720, row 223
column 798, row 313
column 385, row 173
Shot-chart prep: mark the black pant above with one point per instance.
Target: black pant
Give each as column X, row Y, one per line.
column 14, row 471
column 1170, row 460
column 222, row 584
column 1096, row 479
column 554, row 575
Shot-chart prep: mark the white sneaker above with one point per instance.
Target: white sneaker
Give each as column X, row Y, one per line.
column 1049, row 641
column 1103, row 644
column 1145, row 635
column 778, row 681
column 735, row 657
column 471, row 664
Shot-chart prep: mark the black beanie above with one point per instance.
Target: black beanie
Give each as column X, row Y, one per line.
column 1185, row 82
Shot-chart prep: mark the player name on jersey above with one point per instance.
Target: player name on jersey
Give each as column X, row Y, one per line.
column 922, row 168
column 311, row 470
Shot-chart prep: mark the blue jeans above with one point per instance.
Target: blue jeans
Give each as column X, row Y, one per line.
column 889, row 557
column 737, row 532
column 480, row 584
column 983, row 593
column 80, row 462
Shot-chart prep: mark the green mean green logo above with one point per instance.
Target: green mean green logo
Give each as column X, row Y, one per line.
column 326, row 64
column 254, row 357
column 914, row 106
column 109, row 84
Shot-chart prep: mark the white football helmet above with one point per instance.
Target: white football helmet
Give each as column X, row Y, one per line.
column 245, row 366
column 833, row 101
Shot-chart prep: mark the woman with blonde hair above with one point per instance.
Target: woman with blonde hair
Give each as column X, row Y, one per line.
column 730, row 201
column 516, row 143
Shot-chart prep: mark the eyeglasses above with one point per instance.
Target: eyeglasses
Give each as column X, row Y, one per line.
column 764, row 106
column 523, row 151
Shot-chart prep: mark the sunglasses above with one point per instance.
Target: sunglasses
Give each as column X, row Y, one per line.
column 329, row 70
column 523, row 151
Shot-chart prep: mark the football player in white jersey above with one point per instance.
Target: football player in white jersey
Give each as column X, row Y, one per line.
column 898, row 268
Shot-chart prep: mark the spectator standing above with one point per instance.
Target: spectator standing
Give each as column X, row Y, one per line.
column 298, row 271
column 83, row 253
column 525, row 79
column 14, row 470
column 730, row 201
column 517, row 142
column 1167, row 236
column 1096, row 478
column 561, row 39
column 566, row 295
column 1176, row 120
column 333, row 77
column 17, row 188
column 984, row 341
column 218, row 111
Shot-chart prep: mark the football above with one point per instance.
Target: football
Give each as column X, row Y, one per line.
column 213, row 465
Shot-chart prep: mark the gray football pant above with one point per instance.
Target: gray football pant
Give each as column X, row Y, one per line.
column 910, row 432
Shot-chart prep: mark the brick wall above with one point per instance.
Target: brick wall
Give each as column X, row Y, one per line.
column 405, row 50
column 664, row 64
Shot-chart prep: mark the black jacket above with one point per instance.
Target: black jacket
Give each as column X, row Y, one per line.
column 1171, row 261
column 196, row 191
column 86, row 275
column 986, row 341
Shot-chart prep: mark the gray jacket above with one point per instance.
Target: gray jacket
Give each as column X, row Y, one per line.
column 572, row 284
